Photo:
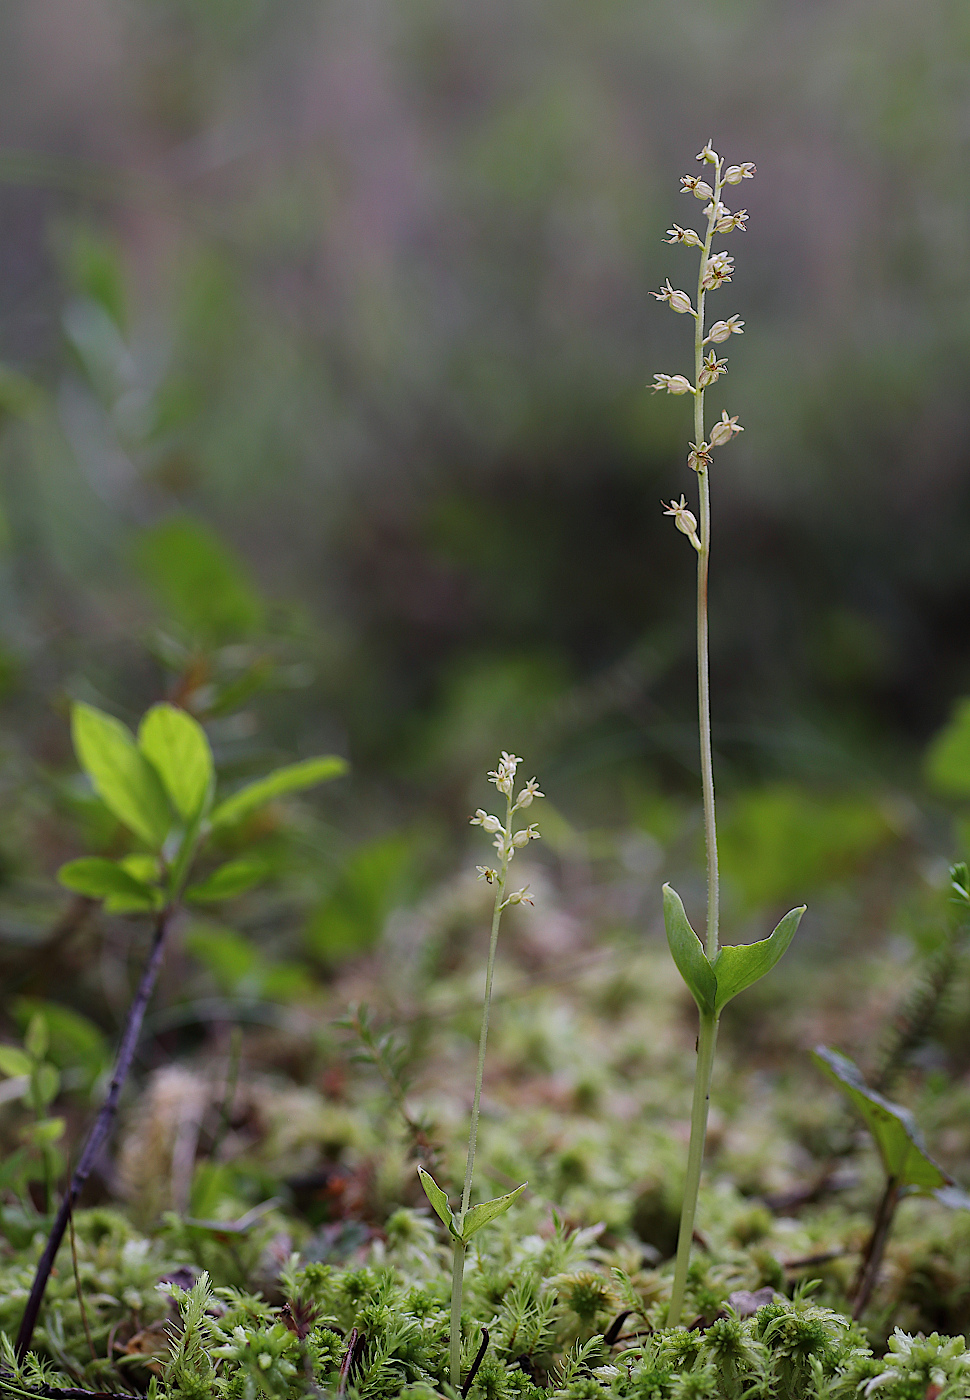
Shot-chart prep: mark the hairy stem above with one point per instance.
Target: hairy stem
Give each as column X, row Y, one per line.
column 706, row 1041
column 98, row 1134
column 703, row 560
column 457, row 1276
column 457, row 1281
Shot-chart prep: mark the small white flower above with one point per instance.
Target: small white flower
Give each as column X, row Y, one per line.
column 482, row 818
column 711, row 369
column 486, row 873
column 736, row 173
column 717, row 269
column 724, row 430
column 687, row 236
column 677, row 301
column 699, row 456
column 708, row 154
column 523, row 837
column 700, row 189
column 723, row 330
column 685, row 520
column 503, row 775
column 728, row 222
column 673, row 383
column 519, row 897
column 528, row 794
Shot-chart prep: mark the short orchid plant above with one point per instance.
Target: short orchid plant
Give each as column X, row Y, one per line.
column 714, row 974
column 468, row 1220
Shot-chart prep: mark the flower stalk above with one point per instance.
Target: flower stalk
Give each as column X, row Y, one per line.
column 466, row 1221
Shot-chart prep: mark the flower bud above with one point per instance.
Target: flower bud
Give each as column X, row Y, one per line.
column 708, row 154
column 723, row 330
column 482, row 818
column 673, row 383
column 724, row 430
column 736, row 173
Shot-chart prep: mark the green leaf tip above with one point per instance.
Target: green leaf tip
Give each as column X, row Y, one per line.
column 121, row 775
column 735, row 968
column 893, row 1128
column 439, row 1201
column 740, row 965
column 176, row 746
column 292, row 778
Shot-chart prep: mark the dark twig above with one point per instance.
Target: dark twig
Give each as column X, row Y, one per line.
column 872, row 1258
column 473, row 1372
column 53, row 1392
column 98, row 1134
column 615, row 1328
column 355, row 1345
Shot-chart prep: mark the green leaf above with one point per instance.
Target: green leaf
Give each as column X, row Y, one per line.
column 947, row 763
column 37, row 1037
column 488, row 1210
column 439, row 1201
column 14, row 1062
column 177, row 747
column 42, row 1134
column 289, row 779
column 900, row 1143
column 230, row 879
column 198, row 581
column 106, row 879
column 45, row 1082
column 741, row 965
column 122, row 776
column 688, row 953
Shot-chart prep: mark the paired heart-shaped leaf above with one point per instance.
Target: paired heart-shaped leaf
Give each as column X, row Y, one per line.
column 439, row 1202
column 740, row 965
column 893, row 1128
column 475, row 1218
column 289, row 779
column 713, row 985
column 122, row 776
column 687, row 951
column 481, row 1215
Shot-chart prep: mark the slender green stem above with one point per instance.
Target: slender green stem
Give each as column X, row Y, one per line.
column 457, row 1281
column 707, row 1035
column 459, row 1265
column 706, row 1041
column 703, row 560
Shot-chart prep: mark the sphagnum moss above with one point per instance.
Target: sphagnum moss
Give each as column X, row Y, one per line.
column 713, row 974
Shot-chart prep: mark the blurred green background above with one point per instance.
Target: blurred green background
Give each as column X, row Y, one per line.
column 326, row 330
